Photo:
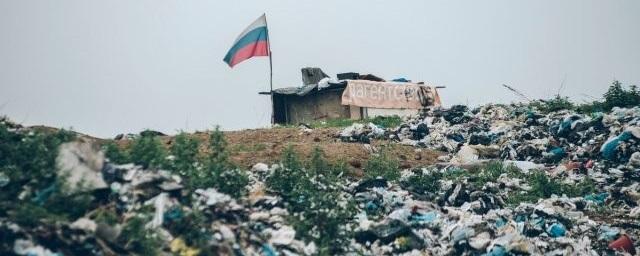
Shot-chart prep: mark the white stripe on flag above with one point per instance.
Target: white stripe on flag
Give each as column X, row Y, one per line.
column 260, row 22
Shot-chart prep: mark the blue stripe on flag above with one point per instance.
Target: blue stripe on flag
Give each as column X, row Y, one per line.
column 258, row 34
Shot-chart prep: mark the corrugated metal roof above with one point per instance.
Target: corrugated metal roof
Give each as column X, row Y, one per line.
column 304, row 90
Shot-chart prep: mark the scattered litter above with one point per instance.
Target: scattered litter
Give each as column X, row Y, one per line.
column 510, row 181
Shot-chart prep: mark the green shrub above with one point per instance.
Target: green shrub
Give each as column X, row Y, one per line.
column 218, row 171
column 194, row 228
column 115, row 154
column 329, row 173
column 383, row 121
column 27, row 158
column 218, row 154
column 232, row 182
column 592, row 107
column 318, row 164
column 582, row 188
column 617, row 96
column 382, row 165
column 185, row 151
column 386, row 121
column 543, row 186
column 422, row 183
column 487, row 172
column 289, row 176
column 138, row 239
column 148, row 151
column 555, row 104
column 491, row 171
column 312, row 196
column 31, row 215
column 106, row 215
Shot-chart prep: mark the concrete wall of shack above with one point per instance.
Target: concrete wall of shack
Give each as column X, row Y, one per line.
column 315, row 106
column 322, row 105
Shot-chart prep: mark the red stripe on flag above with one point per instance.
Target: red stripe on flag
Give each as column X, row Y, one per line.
column 260, row 48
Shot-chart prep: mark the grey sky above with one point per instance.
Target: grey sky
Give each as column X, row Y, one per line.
column 109, row 67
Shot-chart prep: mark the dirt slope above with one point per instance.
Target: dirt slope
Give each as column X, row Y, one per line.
column 248, row 147
column 266, row 145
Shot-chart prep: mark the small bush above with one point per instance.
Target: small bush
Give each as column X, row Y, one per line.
column 318, row 164
column 382, row 165
column 543, row 186
column 138, row 239
column 617, row 96
column 232, row 182
column 422, row 182
column 591, row 107
column 193, row 227
column 115, row 154
column 313, row 197
column 582, row 188
column 148, row 151
column 185, row 152
column 27, row 158
column 491, row 171
column 218, row 171
column 30, row 215
column 383, row 121
column 555, row 104
column 106, row 215
column 287, row 178
column 488, row 172
column 387, row 121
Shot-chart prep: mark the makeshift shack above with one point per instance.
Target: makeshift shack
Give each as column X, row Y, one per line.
column 354, row 96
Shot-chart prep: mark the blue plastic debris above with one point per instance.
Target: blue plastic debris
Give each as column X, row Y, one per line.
column 608, row 149
column 267, row 250
column 43, row 195
column 174, row 213
column 371, row 207
column 557, row 153
column 567, row 125
column 496, row 251
column 461, row 233
column 500, row 222
column 401, row 80
column 4, row 179
column 427, row 217
column 608, row 233
column 556, row 230
column 597, row 198
column 537, row 222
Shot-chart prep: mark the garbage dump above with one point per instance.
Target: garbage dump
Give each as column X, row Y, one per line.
column 510, row 181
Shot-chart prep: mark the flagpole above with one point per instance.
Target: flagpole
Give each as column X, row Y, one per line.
column 270, row 71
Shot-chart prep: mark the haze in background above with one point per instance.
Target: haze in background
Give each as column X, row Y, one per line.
column 109, row 67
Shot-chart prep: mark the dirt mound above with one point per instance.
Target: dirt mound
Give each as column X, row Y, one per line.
column 248, row 147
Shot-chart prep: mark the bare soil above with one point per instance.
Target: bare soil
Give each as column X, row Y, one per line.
column 251, row 146
column 248, row 147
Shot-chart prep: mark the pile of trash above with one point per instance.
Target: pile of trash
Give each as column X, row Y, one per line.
column 518, row 133
column 461, row 218
column 510, row 181
column 599, row 149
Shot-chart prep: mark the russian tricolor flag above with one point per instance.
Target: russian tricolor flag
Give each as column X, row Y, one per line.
column 253, row 41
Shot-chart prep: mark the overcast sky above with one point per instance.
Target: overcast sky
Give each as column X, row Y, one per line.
column 119, row 66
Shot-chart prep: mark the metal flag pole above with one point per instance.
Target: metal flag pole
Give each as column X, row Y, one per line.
column 270, row 71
